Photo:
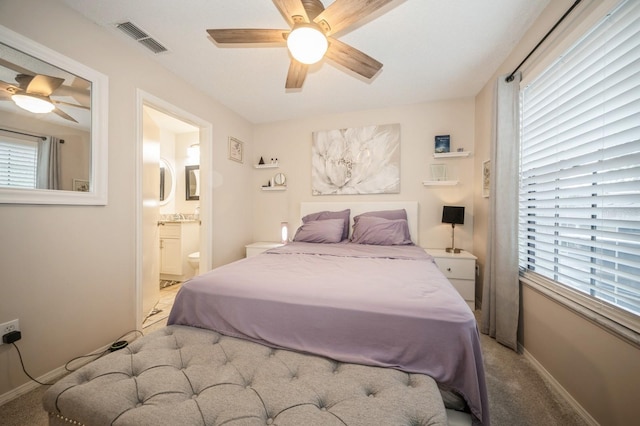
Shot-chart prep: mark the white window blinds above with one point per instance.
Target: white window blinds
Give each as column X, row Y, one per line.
column 18, row 162
column 580, row 165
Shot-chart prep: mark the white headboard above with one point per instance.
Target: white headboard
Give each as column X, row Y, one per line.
column 366, row 206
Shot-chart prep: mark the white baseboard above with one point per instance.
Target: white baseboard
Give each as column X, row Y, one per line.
column 50, row 377
column 589, row 421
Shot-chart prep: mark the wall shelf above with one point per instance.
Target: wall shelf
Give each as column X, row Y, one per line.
column 274, row 188
column 439, row 182
column 266, row 166
column 451, row 154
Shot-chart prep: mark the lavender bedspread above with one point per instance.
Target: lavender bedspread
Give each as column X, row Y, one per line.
column 373, row 305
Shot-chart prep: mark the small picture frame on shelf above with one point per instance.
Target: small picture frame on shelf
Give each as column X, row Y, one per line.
column 442, row 144
column 235, row 149
column 81, row 185
column 438, row 172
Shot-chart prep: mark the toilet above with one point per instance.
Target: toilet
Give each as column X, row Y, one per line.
column 194, row 261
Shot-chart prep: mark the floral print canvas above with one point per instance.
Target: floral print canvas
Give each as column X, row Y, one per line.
column 363, row 160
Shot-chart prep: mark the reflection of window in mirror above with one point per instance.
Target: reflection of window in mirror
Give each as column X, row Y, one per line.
column 192, row 187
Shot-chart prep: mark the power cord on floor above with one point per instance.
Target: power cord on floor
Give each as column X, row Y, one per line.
column 117, row 345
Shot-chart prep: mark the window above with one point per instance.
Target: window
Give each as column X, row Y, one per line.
column 579, row 225
column 18, row 162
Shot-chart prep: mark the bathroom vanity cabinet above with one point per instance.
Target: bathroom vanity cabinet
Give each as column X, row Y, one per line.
column 177, row 241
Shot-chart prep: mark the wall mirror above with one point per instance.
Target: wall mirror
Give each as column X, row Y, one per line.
column 54, row 109
column 167, row 182
column 192, row 180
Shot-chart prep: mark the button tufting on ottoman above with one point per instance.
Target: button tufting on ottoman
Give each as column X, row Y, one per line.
column 187, row 376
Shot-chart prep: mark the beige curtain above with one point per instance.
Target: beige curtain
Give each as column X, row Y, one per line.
column 48, row 171
column 501, row 292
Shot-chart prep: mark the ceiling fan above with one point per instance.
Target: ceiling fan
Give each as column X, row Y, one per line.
column 310, row 38
column 33, row 92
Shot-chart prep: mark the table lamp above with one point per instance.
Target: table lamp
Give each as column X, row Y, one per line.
column 453, row 215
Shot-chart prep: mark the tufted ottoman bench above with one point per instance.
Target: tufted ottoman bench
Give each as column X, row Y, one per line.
column 187, row 376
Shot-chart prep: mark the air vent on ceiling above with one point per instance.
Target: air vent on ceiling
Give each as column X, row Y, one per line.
column 133, row 31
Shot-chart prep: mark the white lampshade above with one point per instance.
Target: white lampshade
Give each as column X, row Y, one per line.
column 33, row 103
column 307, row 43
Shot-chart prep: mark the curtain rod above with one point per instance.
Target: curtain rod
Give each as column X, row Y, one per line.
column 510, row 78
column 24, row 134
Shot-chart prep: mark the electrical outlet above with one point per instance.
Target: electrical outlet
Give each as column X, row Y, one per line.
column 8, row 327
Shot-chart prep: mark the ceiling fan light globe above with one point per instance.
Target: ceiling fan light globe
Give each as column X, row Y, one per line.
column 33, row 103
column 307, row 44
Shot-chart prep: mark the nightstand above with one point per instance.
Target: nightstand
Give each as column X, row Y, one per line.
column 460, row 269
column 257, row 248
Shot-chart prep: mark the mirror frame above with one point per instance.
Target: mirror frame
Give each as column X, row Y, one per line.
column 187, row 180
column 97, row 194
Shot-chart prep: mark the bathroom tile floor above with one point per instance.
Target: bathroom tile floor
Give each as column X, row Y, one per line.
column 161, row 310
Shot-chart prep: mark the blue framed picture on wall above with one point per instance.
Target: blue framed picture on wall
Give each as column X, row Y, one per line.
column 443, row 144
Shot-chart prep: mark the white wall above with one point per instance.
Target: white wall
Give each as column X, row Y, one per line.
column 291, row 141
column 68, row 272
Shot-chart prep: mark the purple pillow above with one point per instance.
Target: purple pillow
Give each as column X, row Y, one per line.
column 385, row 214
column 324, row 215
column 320, row 231
column 382, row 232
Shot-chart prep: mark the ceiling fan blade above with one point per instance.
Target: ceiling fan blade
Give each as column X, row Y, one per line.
column 80, row 95
column 70, row 104
column 291, row 8
column 342, row 13
column 44, row 84
column 296, row 75
column 248, row 35
column 352, row 58
column 64, row 115
column 14, row 67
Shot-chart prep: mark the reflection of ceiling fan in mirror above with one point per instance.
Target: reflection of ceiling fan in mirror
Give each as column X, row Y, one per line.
column 33, row 93
column 310, row 38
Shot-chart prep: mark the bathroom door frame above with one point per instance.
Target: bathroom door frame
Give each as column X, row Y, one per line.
column 206, row 194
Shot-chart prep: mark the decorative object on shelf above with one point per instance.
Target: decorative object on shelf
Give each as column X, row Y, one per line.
column 261, row 162
column 442, row 143
column 438, row 172
column 279, row 179
column 284, row 232
column 235, row 149
column 453, row 215
column 486, row 178
column 81, row 185
column 364, row 160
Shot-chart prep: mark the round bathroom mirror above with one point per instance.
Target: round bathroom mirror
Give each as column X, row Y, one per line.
column 167, row 182
column 279, row 179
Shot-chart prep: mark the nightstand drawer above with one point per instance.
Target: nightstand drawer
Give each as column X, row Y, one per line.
column 259, row 247
column 466, row 288
column 457, row 268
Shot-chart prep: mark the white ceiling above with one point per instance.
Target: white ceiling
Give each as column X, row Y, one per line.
column 431, row 50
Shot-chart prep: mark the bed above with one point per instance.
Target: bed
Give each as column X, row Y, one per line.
column 384, row 310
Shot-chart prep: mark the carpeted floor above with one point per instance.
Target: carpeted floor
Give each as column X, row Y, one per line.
column 517, row 394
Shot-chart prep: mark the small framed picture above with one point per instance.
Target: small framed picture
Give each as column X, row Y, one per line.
column 81, row 185
column 486, row 178
column 235, row 149
column 442, row 144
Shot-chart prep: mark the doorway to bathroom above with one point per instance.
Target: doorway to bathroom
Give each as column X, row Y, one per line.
column 173, row 217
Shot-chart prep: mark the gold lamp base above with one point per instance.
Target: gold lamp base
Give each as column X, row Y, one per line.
column 453, row 250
